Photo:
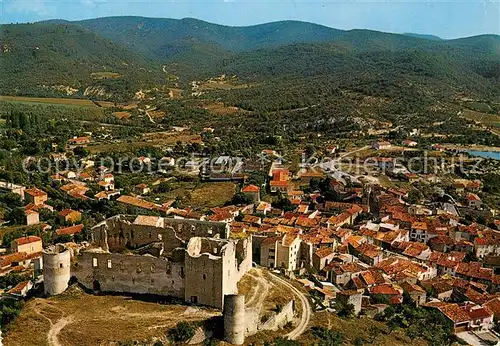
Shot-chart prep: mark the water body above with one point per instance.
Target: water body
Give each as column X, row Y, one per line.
column 485, row 154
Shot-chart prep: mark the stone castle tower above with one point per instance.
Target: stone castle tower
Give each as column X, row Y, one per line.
column 56, row 269
column 234, row 319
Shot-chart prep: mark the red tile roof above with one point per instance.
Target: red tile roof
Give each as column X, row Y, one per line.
column 70, row 230
column 67, row 212
column 35, row 192
column 251, row 188
column 27, row 240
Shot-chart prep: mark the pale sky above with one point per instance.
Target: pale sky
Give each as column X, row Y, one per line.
column 447, row 19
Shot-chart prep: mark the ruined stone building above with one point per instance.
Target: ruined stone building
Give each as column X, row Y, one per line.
column 187, row 259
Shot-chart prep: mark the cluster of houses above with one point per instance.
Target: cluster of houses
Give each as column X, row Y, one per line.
column 381, row 248
column 373, row 249
column 24, row 256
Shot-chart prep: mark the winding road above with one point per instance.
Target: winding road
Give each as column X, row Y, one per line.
column 306, row 309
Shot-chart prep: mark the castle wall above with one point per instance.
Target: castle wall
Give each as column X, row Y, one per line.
column 186, row 229
column 204, row 280
column 117, row 234
column 244, row 256
column 279, row 320
column 111, row 272
column 199, row 270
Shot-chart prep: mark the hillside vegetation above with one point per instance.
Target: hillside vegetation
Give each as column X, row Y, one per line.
column 112, row 58
column 59, row 59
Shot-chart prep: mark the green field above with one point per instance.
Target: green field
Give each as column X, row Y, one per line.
column 492, row 121
column 49, row 100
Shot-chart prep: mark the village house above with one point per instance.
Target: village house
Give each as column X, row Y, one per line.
column 368, row 253
column 409, row 143
column 402, row 269
column 441, row 289
column 69, row 216
column 29, row 245
column 20, row 290
column 142, row 189
column 416, row 293
column 79, row 140
column 253, row 220
column 322, row 257
column 12, row 188
column 473, row 201
column 83, row 176
column 281, row 252
column 106, row 185
column 264, row 208
column 106, row 194
column 35, row 196
column 447, row 262
column 341, row 273
column 281, row 181
column 31, row 217
column 253, row 192
column 392, row 293
column 381, row 145
column 486, row 246
column 350, row 297
column 466, row 316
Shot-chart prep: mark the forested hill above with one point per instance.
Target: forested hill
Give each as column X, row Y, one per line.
column 115, row 56
column 45, row 59
column 150, row 35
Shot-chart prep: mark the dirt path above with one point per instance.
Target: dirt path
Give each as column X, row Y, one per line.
column 260, row 292
column 55, row 329
column 353, row 151
column 306, row 309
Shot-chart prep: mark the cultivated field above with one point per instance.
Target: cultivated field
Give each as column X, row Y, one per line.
column 49, row 100
column 79, row 319
column 220, row 108
column 105, row 75
column 169, row 138
column 491, row 121
column 211, row 195
column 121, row 115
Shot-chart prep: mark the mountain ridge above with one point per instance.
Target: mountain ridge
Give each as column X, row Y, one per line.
column 139, row 48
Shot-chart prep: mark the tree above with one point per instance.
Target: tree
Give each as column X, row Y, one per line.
column 80, row 151
column 359, row 341
column 327, row 337
column 373, row 332
column 414, row 196
column 181, row 333
column 345, row 310
column 11, row 200
column 163, row 187
column 9, row 310
column 240, row 198
column 280, row 341
column 389, row 312
column 283, row 203
column 16, row 216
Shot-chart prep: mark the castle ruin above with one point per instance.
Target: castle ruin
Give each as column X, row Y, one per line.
column 186, row 259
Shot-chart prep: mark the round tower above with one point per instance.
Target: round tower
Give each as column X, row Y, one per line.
column 234, row 319
column 56, row 269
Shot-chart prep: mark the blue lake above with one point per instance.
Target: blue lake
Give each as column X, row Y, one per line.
column 486, row 154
